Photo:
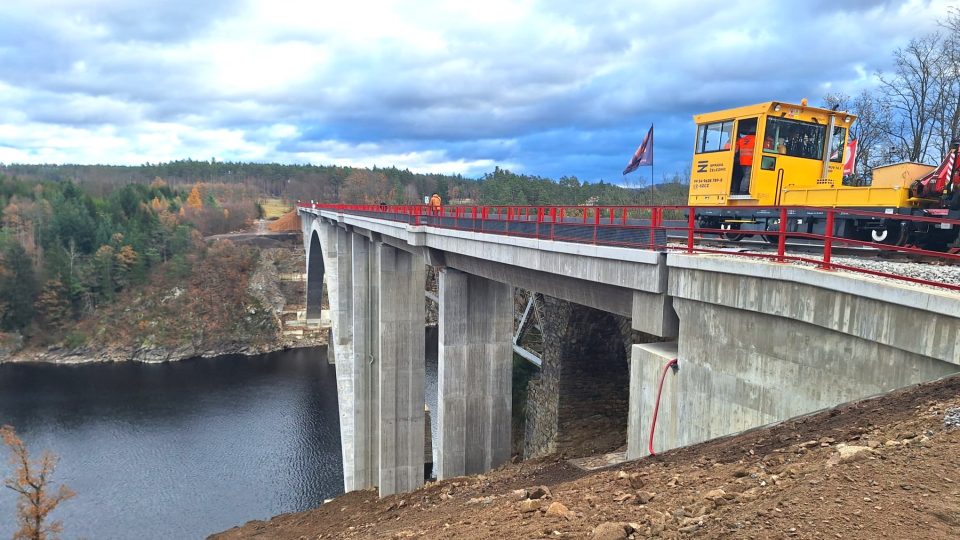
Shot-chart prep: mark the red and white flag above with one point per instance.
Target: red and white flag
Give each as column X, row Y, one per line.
column 643, row 155
column 850, row 157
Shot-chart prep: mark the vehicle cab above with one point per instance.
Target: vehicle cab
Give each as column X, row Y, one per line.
column 753, row 155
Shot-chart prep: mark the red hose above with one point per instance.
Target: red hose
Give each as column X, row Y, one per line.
column 656, row 407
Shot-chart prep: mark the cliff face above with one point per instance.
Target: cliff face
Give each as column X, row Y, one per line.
column 231, row 302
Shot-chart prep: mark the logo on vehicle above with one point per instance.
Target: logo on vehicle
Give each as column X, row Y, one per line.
column 702, row 166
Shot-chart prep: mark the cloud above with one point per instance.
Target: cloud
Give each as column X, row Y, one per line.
column 547, row 88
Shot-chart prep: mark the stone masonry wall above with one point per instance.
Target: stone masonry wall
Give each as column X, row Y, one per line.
column 543, row 392
column 578, row 404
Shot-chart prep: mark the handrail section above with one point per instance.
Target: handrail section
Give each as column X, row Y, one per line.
column 666, row 228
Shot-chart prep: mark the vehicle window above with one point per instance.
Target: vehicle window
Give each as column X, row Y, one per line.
column 794, row 138
column 836, row 144
column 714, row 137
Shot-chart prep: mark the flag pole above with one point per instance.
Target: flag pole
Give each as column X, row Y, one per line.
column 653, row 179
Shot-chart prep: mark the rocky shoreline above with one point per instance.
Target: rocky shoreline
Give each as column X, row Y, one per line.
column 87, row 355
column 265, row 285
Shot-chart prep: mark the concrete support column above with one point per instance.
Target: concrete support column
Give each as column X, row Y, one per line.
column 474, row 373
column 363, row 368
column 341, row 320
column 401, row 279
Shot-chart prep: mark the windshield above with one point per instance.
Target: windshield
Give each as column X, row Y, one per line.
column 794, row 138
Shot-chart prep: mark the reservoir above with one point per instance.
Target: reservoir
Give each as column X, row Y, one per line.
column 180, row 449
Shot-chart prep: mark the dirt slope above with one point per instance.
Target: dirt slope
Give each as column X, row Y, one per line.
column 882, row 468
column 287, row 222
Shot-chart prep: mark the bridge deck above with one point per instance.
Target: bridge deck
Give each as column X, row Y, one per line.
column 673, row 229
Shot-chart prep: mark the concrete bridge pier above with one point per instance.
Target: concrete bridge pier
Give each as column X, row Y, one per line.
column 474, row 373
column 377, row 314
column 336, row 254
column 362, row 368
column 400, row 353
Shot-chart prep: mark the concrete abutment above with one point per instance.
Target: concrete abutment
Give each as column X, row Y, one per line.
column 762, row 343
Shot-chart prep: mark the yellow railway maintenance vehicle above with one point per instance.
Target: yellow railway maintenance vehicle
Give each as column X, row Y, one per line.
column 781, row 154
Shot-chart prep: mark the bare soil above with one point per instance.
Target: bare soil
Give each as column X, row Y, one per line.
column 887, row 467
column 289, row 221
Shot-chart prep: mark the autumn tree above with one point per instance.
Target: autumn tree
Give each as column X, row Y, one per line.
column 52, row 305
column 195, row 200
column 125, row 258
column 33, row 484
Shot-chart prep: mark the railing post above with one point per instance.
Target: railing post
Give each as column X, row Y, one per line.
column 828, row 240
column 691, row 224
column 596, row 223
column 782, row 238
column 654, row 221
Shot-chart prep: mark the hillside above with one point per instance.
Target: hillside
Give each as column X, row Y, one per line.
column 884, row 467
column 328, row 183
column 111, row 262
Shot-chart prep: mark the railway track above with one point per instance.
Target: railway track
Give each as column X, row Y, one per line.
column 748, row 245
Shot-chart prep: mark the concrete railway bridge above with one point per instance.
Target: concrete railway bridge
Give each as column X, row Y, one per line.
column 757, row 341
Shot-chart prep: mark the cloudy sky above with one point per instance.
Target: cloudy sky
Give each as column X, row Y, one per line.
column 549, row 88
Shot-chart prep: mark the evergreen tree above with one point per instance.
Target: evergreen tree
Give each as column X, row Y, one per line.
column 18, row 288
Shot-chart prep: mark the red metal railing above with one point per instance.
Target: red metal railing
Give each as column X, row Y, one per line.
column 671, row 228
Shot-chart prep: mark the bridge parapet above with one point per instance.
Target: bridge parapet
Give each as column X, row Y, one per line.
column 626, row 281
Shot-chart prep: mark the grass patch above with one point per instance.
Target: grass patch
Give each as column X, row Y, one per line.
column 273, row 208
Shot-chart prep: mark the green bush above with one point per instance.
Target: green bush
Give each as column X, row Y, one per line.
column 75, row 339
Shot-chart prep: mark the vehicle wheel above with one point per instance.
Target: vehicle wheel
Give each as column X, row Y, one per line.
column 772, row 225
column 731, row 236
column 943, row 240
column 893, row 235
column 704, row 222
column 879, row 235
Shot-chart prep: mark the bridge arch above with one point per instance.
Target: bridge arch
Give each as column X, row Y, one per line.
column 315, row 271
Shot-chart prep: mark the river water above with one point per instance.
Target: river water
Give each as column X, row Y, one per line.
column 181, row 449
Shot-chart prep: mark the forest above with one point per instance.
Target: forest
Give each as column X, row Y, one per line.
column 64, row 251
column 81, row 245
